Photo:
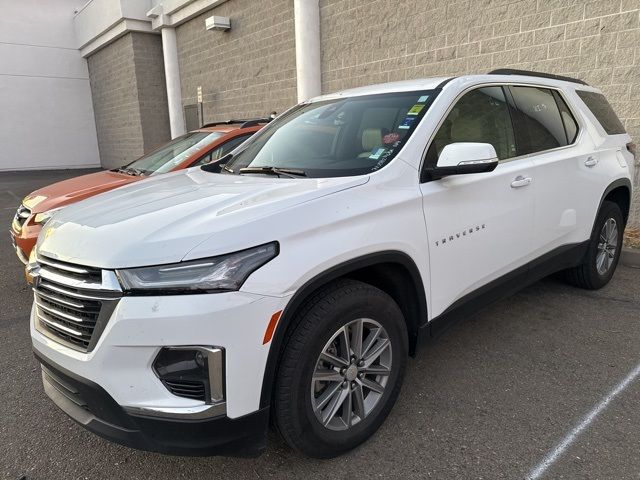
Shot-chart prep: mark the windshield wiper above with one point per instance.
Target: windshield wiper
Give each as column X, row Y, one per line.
column 287, row 172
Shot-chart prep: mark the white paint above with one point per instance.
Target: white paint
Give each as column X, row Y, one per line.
column 176, row 12
column 99, row 16
column 307, row 31
column 551, row 458
column 47, row 118
column 172, row 76
column 115, row 32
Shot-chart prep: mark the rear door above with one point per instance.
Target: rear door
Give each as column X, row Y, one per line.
column 479, row 226
column 548, row 131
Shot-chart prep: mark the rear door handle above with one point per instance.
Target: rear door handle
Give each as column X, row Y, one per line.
column 521, row 181
column 591, row 162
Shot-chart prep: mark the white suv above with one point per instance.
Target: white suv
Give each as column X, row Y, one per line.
column 181, row 313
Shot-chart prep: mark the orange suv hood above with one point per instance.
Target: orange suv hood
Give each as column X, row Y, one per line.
column 75, row 189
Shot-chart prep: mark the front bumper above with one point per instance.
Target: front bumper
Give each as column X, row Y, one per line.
column 92, row 407
column 126, row 401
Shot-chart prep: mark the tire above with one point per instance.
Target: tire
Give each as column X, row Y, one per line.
column 354, row 306
column 590, row 274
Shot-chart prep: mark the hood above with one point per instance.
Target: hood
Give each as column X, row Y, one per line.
column 159, row 220
column 75, row 189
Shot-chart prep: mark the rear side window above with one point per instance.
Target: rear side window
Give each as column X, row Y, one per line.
column 537, row 120
column 602, row 111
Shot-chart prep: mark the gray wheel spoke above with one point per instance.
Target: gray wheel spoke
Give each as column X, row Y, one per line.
column 371, row 385
column 376, row 351
column 376, row 370
column 358, row 401
column 327, row 375
column 347, row 411
column 610, row 227
column 327, row 395
column 357, row 330
column 344, row 342
column 333, row 360
column 370, row 340
column 334, row 405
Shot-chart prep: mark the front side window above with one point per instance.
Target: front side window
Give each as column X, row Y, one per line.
column 168, row 156
column 481, row 115
column 536, row 120
column 601, row 109
column 337, row 137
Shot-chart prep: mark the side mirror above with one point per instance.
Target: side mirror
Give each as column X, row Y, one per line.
column 215, row 166
column 463, row 158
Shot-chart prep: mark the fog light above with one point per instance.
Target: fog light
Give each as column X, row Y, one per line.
column 192, row 372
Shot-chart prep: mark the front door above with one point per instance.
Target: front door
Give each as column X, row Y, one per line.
column 479, row 226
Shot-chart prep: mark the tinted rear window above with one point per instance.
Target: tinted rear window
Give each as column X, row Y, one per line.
column 602, row 111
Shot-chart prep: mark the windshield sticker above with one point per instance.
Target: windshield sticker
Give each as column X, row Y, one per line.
column 391, row 138
column 375, row 155
column 423, row 98
column 406, row 123
column 415, row 110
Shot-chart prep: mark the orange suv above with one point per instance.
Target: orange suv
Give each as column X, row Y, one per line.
column 205, row 145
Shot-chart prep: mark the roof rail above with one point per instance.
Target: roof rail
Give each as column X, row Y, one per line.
column 527, row 73
column 245, row 123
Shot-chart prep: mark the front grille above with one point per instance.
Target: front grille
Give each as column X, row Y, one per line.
column 187, row 389
column 72, row 303
column 21, row 216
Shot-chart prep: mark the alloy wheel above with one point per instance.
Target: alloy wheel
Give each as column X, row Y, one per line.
column 607, row 246
column 351, row 374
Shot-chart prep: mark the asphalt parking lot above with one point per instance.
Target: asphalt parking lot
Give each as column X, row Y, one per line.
column 490, row 399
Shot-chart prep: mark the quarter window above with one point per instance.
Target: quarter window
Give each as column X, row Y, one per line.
column 602, row 111
column 481, row 115
column 536, row 120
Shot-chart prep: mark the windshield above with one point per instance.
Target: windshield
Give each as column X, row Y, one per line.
column 166, row 157
column 332, row 138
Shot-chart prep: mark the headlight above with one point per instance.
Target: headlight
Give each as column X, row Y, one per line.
column 42, row 218
column 222, row 273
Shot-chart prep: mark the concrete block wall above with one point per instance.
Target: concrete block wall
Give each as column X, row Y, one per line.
column 373, row 41
column 152, row 90
column 129, row 98
column 248, row 71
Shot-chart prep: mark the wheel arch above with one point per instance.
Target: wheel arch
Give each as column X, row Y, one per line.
column 618, row 192
column 394, row 272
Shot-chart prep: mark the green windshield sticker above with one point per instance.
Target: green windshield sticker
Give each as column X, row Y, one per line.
column 375, row 155
column 415, row 110
column 423, row 98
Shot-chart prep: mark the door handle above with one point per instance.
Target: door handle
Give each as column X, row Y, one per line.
column 591, row 162
column 521, row 181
